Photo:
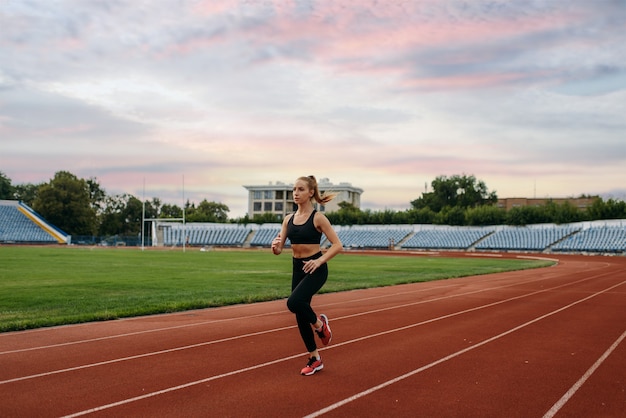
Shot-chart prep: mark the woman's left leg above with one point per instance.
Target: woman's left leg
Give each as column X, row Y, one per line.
column 304, row 287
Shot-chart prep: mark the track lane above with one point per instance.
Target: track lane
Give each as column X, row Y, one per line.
column 213, row 331
column 282, row 361
column 505, row 374
column 237, row 397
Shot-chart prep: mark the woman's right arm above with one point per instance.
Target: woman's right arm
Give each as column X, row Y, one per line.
column 279, row 242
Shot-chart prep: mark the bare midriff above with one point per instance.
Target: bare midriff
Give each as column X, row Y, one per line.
column 304, row 250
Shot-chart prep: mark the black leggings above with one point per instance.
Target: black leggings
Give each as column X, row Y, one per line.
column 303, row 287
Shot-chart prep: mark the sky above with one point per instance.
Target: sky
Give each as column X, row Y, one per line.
column 193, row 99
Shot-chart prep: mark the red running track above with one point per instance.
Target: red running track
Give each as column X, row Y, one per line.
column 539, row 343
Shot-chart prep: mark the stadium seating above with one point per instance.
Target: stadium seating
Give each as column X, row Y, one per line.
column 536, row 238
column 371, row 237
column 524, row 238
column 20, row 224
column 460, row 238
column 265, row 235
column 605, row 239
column 201, row 234
column 16, row 227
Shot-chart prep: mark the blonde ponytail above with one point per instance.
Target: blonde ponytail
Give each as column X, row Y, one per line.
column 319, row 198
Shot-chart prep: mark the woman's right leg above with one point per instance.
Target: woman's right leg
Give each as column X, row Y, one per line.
column 304, row 286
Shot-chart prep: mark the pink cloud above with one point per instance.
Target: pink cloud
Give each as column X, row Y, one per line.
column 463, row 81
column 344, row 35
column 397, row 40
column 213, row 7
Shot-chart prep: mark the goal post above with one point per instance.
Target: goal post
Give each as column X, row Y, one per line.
column 154, row 233
column 154, row 221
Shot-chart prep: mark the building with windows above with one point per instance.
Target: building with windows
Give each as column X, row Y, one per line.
column 277, row 198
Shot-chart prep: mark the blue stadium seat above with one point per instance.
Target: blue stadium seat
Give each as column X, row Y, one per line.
column 16, row 227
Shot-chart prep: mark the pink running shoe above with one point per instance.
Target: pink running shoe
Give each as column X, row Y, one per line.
column 314, row 365
column 325, row 333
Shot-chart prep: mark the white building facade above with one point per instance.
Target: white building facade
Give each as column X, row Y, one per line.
column 277, row 198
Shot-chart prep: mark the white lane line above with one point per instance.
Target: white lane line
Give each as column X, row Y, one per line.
column 129, row 334
column 470, row 293
column 183, row 386
column 138, row 356
column 383, row 385
column 195, row 324
column 359, row 395
column 201, row 323
column 206, row 343
column 215, row 321
column 566, row 397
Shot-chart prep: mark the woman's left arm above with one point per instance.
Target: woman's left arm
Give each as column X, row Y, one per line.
column 322, row 222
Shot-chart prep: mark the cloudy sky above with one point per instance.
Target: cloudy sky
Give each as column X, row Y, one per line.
column 528, row 96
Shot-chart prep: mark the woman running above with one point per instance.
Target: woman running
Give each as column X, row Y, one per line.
column 304, row 228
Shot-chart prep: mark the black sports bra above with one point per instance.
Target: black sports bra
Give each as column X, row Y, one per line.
column 305, row 233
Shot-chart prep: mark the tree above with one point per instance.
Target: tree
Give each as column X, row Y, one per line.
column 347, row 206
column 6, row 189
column 485, row 215
column 611, row 209
column 528, row 215
column 457, row 191
column 451, row 215
column 208, row 212
column 131, row 216
column 170, row 211
column 111, row 219
column 97, row 195
column 26, row 192
column 153, row 207
column 267, row 217
column 348, row 214
column 563, row 213
column 383, row 217
column 65, row 202
column 122, row 215
column 420, row 216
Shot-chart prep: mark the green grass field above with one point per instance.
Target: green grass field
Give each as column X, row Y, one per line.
column 45, row 286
